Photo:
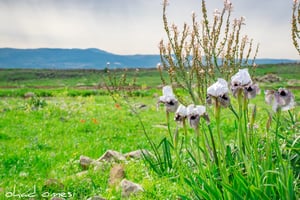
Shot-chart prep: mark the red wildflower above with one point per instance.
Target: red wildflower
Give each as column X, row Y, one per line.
column 117, row 106
column 95, row 121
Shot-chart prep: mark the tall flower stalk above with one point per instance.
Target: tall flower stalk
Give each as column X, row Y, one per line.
column 243, row 89
column 170, row 102
column 281, row 100
column 296, row 24
column 205, row 48
column 180, row 118
column 217, row 95
column 194, row 113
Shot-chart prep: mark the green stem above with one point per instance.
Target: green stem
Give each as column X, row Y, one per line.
column 277, row 131
column 241, row 137
column 245, row 105
column 218, row 123
column 205, row 150
column 246, row 134
column 175, row 138
column 168, row 124
column 185, row 133
column 234, row 112
column 223, row 164
column 197, row 135
column 214, row 145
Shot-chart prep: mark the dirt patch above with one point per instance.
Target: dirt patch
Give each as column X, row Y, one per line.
column 268, row 78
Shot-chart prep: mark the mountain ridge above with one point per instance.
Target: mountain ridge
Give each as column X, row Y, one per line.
column 90, row 58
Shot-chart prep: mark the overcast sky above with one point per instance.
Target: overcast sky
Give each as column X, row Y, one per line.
column 133, row 26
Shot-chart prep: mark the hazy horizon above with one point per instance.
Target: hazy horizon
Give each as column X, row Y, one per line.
column 297, row 60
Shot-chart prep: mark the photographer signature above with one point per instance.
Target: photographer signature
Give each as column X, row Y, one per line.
column 31, row 193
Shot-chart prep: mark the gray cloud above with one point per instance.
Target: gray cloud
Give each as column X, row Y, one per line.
column 132, row 26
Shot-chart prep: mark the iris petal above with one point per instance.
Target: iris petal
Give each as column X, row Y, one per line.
column 181, row 113
column 167, row 91
column 218, row 89
column 242, row 77
column 251, row 91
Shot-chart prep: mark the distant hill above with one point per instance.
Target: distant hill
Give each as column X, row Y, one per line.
column 55, row 58
column 71, row 59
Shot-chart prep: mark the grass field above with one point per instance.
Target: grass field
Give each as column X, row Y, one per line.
column 42, row 139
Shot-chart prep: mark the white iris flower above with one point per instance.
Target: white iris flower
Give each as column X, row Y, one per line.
column 241, row 82
column 218, row 92
column 168, row 98
column 194, row 113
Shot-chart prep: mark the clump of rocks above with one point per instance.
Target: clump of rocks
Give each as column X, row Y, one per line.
column 28, row 95
column 117, row 175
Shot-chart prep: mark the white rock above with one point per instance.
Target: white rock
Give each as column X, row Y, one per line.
column 138, row 154
column 116, row 174
column 129, row 188
column 96, row 198
column 85, row 162
column 110, row 156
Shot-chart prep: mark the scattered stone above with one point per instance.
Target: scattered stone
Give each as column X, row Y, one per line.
column 129, row 188
column 116, row 174
column 81, row 174
column 138, row 154
column 80, row 84
column 98, row 166
column 110, row 156
column 28, row 95
column 96, row 198
column 53, row 184
column 155, row 95
column 160, row 87
column 293, row 82
column 141, row 106
column 23, row 174
column 163, row 126
column 85, row 162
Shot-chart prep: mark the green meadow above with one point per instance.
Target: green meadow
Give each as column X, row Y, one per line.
column 72, row 114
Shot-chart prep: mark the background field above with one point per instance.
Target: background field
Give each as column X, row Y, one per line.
column 73, row 115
